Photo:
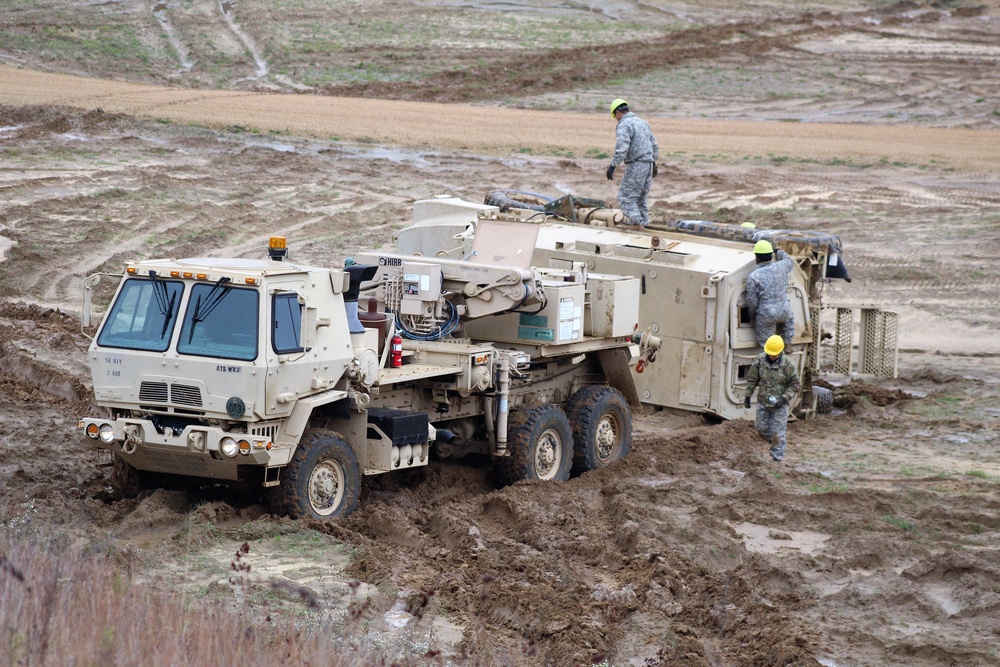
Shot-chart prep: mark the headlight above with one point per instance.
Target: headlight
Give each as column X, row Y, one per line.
column 229, row 447
column 107, row 434
column 244, row 447
column 92, row 431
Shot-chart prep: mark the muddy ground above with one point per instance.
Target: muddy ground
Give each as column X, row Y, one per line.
column 874, row 543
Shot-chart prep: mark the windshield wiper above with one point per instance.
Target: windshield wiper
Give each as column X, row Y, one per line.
column 169, row 315
column 166, row 308
column 213, row 299
column 160, row 292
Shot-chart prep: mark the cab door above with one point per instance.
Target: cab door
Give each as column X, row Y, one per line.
column 291, row 363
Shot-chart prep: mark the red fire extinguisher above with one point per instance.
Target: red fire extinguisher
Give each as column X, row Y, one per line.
column 397, row 351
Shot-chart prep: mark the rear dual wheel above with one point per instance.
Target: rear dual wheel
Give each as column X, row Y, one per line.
column 540, row 441
column 602, row 427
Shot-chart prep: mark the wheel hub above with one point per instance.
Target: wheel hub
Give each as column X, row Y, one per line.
column 606, row 438
column 326, row 487
column 547, row 455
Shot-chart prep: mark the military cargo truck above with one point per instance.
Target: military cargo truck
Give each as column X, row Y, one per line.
column 265, row 374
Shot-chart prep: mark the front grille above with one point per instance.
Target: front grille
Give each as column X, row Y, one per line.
column 184, row 394
column 153, row 392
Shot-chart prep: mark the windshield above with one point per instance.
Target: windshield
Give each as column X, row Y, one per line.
column 220, row 322
column 143, row 315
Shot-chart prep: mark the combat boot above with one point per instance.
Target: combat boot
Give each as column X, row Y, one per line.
column 775, row 448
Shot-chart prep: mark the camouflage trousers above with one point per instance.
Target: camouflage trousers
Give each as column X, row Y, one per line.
column 781, row 323
column 633, row 191
column 771, row 424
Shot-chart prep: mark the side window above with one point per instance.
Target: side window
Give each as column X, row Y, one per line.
column 286, row 323
column 745, row 320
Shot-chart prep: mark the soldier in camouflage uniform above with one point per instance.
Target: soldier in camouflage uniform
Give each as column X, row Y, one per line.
column 766, row 297
column 636, row 146
column 774, row 374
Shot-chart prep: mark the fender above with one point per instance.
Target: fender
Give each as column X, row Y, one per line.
column 293, row 427
column 615, row 364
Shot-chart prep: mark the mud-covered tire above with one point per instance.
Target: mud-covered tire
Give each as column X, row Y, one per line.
column 322, row 481
column 824, row 400
column 126, row 480
column 540, row 441
column 602, row 427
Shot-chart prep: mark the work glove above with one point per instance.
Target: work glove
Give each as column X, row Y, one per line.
column 746, row 402
column 611, row 172
column 654, row 170
column 781, row 401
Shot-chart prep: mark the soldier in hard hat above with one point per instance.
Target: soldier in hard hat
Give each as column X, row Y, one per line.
column 636, row 146
column 774, row 377
column 766, row 298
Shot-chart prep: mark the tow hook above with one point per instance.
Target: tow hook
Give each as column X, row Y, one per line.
column 133, row 438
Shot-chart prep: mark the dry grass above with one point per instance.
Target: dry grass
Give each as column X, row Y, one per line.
column 58, row 608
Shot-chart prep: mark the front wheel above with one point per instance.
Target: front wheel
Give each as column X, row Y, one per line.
column 602, row 427
column 540, row 441
column 126, row 480
column 322, row 481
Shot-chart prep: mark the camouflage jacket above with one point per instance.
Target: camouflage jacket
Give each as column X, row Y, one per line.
column 634, row 141
column 767, row 284
column 777, row 378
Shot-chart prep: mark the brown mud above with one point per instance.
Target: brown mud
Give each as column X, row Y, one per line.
column 874, row 543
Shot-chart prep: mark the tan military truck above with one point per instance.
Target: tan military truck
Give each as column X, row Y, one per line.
column 265, row 375
column 691, row 274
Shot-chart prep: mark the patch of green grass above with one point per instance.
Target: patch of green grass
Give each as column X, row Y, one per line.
column 900, row 522
column 982, row 474
column 830, row 487
column 937, row 407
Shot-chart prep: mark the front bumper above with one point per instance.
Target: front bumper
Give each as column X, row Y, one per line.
column 195, row 451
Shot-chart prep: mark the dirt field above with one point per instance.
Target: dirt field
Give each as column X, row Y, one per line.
column 874, row 543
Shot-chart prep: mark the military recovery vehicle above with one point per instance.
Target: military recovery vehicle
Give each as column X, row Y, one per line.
column 266, row 375
column 692, row 277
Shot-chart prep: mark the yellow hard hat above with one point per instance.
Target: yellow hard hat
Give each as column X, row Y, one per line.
column 617, row 103
column 762, row 248
column 749, row 225
column 774, row 345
